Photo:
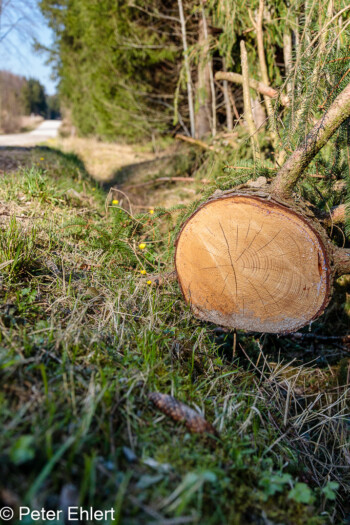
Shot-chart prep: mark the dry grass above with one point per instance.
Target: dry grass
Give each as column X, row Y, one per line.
column 28, row 123
column 17, row 123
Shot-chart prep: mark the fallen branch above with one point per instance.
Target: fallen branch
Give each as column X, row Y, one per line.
column 196, row 142
column 260, row 87
column 251, row 168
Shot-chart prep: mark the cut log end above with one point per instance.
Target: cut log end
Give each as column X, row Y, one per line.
column 245, row 262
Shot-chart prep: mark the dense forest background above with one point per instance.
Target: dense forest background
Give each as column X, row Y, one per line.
column 20, row 97
column 140, row 68
column 145, row 70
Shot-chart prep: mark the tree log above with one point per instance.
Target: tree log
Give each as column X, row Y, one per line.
column 254, row 259
column 246, row 260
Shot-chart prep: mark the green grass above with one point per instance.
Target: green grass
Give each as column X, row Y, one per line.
column 84, row 339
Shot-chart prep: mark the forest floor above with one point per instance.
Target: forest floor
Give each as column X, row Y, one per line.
column 86, row 334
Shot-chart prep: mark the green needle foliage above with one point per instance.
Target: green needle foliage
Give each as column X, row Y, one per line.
column 112, row 66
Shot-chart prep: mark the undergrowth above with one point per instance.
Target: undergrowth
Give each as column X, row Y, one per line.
column 85, row 337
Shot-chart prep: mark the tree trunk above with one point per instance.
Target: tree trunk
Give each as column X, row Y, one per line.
column 248, row 113
column 261, row 54
column 258, row 111
column 211, row 76
column 229, row 119
column 203, row 88
column 187, row 68
column 253, row 259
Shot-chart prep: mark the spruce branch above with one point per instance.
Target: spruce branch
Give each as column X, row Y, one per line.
column 323, row 130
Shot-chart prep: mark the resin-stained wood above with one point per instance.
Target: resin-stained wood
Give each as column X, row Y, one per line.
column 250, row 263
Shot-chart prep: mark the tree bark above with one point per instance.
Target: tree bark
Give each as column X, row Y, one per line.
column 342, row 261
column 335, row 216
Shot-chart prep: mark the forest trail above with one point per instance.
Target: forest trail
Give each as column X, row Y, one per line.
column 46, row 130
column 111, row 164
column 128, row 167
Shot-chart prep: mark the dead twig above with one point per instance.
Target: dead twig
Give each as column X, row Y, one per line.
column 195, row 142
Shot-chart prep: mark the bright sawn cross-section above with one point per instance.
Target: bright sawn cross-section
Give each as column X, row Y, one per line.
column 249, row 263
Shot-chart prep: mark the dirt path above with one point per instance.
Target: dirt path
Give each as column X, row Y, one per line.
column 46, row 130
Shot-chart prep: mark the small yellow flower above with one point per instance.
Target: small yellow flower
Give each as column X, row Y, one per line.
column 143, row 272
column 142, row 246
column 149, row 282
column 93, row 189
column 151, row 212
column 41, row 158
column 114, row 201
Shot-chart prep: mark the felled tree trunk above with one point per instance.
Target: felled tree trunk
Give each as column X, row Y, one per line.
column 254, row 259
